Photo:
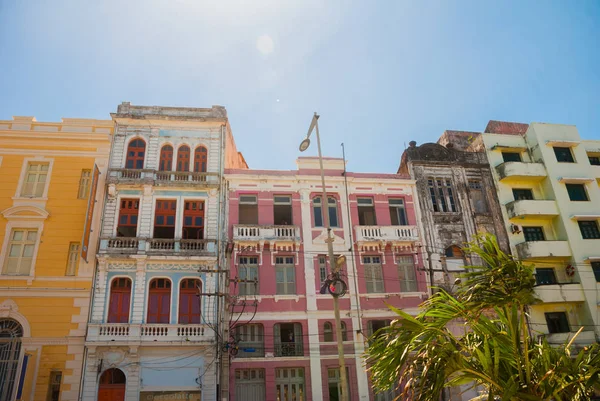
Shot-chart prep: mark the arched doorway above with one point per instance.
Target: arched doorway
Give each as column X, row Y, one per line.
column 11, row 334
column 112, row 386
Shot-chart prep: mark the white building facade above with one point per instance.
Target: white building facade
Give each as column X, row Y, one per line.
column 156, row 299
column 548, row 183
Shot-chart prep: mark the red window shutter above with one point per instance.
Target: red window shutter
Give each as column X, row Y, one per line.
column 193, row 220
column 189, row 302
column 200, row 159
column 120, row 299
column 135, row 154
column 183, row 158
column 166, row 158
column 159, row 301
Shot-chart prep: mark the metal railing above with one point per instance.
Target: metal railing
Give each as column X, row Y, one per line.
column 289, row 349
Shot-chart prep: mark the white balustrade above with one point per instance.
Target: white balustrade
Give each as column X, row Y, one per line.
column 149, row 332
column 386, row 233
column 247, row 232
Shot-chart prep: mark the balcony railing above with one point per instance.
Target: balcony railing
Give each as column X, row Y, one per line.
column 158, row 246
column 560, row 292
column 255, row 232
column 521, row 171
column 532, row 208
column 125, row 175
column 289, row 349
column 365, row 234
column 149, row 332
column 543, row 249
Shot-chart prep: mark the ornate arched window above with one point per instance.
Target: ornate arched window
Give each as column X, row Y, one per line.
column 166, row 158
column 200, row 159
column 159, row 301
column 183, row 158
column 11, row 334
column 189, row 301
column 136, row 152
column 120, row 300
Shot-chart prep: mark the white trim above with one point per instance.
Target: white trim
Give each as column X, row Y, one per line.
column 16, row 224
column 575, row 180
column 562, row 143
column 26, row 162
column 585, row 217
column 10, row 310
column 32, row 292
column 12, row 212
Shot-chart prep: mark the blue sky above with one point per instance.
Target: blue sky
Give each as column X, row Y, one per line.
column 379, row 73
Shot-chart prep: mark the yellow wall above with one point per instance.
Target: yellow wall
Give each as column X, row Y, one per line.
column 52, row 307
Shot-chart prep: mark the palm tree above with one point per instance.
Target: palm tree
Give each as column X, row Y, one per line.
column 479, row 336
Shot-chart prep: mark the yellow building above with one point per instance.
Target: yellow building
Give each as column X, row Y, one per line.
column 548, row 183
column 49, row 172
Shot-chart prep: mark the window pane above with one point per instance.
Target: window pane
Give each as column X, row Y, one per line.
column 511, row 157
column 545, row 276
column 333, row 221
column 596, row 269
column 522, row 194
column 589, row 229
column 563, row 155
column 534, row 234
column 577, row 192
column 318, row 216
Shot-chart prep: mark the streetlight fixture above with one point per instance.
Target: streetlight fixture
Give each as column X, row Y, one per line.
column 334, row 264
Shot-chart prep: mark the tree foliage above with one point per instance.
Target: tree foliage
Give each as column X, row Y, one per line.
column 479, row 336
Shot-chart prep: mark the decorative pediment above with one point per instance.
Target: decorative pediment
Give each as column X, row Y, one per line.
column 25, row 212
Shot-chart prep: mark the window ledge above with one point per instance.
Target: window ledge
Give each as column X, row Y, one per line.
column 29, row 279
column 394, row 294
column 277, row 298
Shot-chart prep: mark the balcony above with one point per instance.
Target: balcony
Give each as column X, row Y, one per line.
column 154, row 333
column 158, row 246
column 586, row 337
column 558, row 293
column 255, row 233
column 543, row 249
column 382, row 235
column 162, row 178
column 288, row 349
column 532, row 208
column 515, row 171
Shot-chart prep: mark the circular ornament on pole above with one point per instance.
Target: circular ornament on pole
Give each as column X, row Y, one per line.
column 337, row 287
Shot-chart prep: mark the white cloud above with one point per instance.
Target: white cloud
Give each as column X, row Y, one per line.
column 264, row 44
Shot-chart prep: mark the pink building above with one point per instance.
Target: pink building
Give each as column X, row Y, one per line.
column 283, row 327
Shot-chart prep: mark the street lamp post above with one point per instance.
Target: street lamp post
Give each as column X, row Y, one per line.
column 332, row 262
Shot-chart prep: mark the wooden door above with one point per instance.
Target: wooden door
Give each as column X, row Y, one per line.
column 112, row 386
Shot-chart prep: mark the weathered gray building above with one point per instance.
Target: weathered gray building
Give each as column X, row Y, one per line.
column 457, row 200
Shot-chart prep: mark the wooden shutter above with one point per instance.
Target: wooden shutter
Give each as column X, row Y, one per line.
column 183, row 158
column 200, row 159
column 166, row 158
column 189, row 301
column 120, row 300
column 135, row 154
column 159, row 301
